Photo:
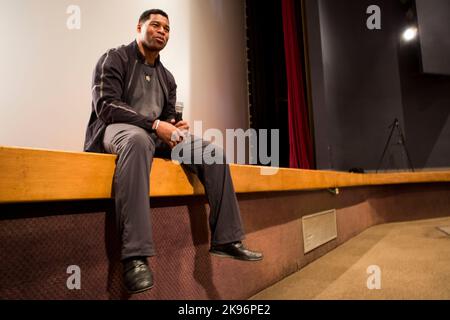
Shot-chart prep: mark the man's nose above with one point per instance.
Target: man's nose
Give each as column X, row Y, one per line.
column 162, row 31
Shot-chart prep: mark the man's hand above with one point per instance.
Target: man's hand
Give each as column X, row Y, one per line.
column 168, row 133
column 182, row 125
column 183, row 128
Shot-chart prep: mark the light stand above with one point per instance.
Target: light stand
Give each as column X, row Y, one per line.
column 396, row 126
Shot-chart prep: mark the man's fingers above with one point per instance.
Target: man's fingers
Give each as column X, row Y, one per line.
column 175, row 136
column 184, row 134
column 180, row 124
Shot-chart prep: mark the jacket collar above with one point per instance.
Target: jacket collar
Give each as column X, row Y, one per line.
column 140, row 56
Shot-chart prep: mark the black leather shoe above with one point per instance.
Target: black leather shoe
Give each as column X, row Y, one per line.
column 137, row 275
column 235, row 250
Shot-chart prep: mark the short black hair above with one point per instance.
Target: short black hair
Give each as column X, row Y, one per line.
column 146, row 14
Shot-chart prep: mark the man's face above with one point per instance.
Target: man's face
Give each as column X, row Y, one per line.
column 154, row 33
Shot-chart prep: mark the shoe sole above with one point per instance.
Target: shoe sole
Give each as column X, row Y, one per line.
column 224, row 255
column 139, row 291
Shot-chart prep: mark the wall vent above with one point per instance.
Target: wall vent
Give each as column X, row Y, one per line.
column 445, row 229
column 319, row 228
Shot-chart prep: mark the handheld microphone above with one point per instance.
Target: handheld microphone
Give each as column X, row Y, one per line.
column 179, row 111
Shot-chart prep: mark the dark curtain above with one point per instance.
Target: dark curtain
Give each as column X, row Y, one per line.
column 267, row 71
column 300, row 142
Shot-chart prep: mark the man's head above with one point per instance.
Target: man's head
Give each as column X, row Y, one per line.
column 153, row 29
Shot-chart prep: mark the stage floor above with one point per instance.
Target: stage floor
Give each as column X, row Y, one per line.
column 413, row 259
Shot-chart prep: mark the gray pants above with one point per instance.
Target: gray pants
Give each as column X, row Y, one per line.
column 135, row 149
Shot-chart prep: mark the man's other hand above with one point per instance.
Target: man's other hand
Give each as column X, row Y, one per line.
column 168, row 133
column 182, row 125
column 183, row 128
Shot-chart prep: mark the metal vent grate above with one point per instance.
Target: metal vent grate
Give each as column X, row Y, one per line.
column 319, row 228
column 444, row 229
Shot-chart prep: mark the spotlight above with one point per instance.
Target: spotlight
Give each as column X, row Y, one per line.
column 410, row 34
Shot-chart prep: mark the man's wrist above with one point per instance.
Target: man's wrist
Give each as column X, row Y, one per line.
column 155, row 125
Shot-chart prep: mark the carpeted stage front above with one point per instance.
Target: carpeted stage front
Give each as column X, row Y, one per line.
column 56, row 211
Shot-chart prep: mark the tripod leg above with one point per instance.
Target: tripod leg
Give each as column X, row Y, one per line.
column 406, row 149
column 409, row 159
column 386, row 146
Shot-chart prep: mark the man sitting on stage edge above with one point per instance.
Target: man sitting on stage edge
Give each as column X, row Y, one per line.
column 133, row 116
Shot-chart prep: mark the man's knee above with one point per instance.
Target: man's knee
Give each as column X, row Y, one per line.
column 139, row 141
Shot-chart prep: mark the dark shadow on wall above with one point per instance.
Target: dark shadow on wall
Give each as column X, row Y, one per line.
column 115, row 288
column 370, row 79
column 425, row 100
column 267, row 83
column 425, row 104
column 203, row 272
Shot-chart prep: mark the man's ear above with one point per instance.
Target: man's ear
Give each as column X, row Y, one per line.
column 139, row 27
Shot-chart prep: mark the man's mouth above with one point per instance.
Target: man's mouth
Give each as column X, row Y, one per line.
column 160, row 40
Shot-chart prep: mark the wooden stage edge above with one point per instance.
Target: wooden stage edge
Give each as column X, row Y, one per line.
column 28, row 174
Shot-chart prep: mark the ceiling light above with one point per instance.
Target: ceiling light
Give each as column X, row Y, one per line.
column 410, row 34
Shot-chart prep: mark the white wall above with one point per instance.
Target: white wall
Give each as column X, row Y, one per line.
column 46, row 68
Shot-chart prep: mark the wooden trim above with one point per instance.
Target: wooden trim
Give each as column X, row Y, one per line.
column 46, row 175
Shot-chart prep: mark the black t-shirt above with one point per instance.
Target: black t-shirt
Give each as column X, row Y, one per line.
column 148, row 95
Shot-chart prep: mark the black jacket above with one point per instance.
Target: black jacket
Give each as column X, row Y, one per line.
column 113, row 83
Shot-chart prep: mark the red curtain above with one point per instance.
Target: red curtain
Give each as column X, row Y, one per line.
column 300, row 142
